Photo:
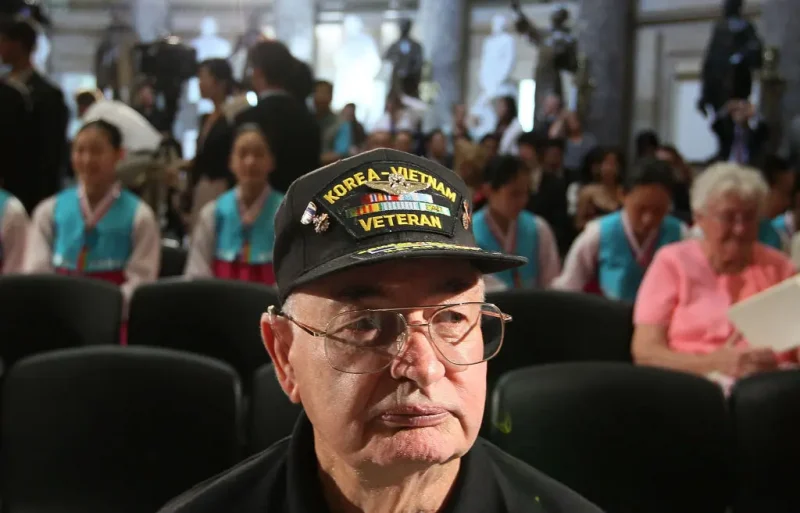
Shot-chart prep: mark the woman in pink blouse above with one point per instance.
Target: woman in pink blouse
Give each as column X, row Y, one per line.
column 681, row 308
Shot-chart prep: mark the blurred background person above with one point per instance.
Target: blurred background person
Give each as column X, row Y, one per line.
column 234, row 235
column 45, row 140
column 611, row 255
column 681, row 310
column 508, row 127
column 605, row 193
column 210, row 175
column 504, row 226
column 280, row 82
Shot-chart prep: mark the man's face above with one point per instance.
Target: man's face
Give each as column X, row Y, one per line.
column 9, row 50
column 404, row 142
column 438, row 145
column 490, row 147
column 459, row 113
column 527, row 153
column 357, row 417
column 553, row 159
column 323, row 95
column 552, row 105
column 146, row 97
column 379, row 140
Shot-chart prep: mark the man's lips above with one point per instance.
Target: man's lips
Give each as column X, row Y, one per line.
column 414, row 416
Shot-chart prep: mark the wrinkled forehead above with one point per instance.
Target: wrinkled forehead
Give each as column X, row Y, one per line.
column 399, row 283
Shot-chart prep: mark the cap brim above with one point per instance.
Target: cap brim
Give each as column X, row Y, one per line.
column 487, row 262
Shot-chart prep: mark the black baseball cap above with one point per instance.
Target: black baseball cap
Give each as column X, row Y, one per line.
column 377, row 206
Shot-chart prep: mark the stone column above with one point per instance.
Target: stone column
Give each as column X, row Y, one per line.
column 606, row 38
column 779, row 29
column 443, row 27
column 294, row 25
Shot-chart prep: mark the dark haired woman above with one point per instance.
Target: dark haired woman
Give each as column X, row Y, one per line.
column 508, row 127
column 97, row 229
column 210, row 175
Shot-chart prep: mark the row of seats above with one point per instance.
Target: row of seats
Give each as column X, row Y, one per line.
column 103, row 429
column 636, row 439
column 219, row 318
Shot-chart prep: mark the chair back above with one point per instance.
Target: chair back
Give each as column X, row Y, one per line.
column 102, row 429
column 272, row 414
column 630, row 439
column 41, row 313
column 551, row 326
column 173, row 262
column 766, row 426
column 216, row 318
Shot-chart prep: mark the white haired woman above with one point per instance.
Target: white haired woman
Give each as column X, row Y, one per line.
column 681, row 309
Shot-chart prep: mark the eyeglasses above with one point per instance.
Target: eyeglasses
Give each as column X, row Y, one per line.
column 730, row 218
column 367, row 341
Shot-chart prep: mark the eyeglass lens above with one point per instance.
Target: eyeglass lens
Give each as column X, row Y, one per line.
column 368, row 340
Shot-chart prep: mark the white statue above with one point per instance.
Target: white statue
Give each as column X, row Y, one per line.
column 41, row 53
column 208, row 46
column 498, row 59
column 357, row 61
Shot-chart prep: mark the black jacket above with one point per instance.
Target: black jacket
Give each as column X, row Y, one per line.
column 284, row 479
column 756, row 139
column 293, row 133
column 45, row 143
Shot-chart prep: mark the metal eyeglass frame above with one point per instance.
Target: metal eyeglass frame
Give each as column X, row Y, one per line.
column 273, row 312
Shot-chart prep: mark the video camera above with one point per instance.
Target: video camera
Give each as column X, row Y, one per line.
column 167, row 63
column 167, row 60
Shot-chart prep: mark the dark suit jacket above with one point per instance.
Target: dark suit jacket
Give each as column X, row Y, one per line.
column 293, row 134
column 550, row 203
column 756, row 139
column 212, row 159
column 47, row 147
column 15, row 114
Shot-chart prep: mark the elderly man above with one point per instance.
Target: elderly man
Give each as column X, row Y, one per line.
column 383, row 338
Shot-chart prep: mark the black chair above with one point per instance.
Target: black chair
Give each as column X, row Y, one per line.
column 96, row 430
column 272, row 415
column 554, row 326
column 216, row 318
column 46, row 312
column 173, row 261
column 766, row 424
column 630, row 439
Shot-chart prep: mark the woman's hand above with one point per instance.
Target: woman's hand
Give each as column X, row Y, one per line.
column 742, row 362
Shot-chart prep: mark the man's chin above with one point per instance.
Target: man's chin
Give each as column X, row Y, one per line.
column 429, row 446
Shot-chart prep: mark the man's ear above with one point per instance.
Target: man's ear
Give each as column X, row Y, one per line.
column 277, row 334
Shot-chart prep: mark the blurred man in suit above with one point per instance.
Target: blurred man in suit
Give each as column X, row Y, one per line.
column 742, row 134
column 44, row 149
column 15, row 112
column 293, row 133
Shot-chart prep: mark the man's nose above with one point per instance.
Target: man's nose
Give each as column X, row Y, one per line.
column 419, row 361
